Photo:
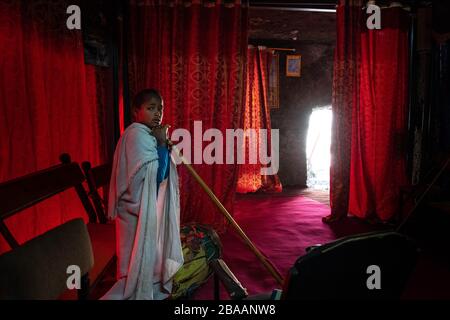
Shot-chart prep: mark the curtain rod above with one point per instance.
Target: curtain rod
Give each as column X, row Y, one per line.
column 282, row 49
column 274, row 49
column 297, row 4
column 309, row 6
column 293, row 9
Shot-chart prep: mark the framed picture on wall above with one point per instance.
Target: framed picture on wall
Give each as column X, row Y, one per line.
column 274, row 82
column 293, row 65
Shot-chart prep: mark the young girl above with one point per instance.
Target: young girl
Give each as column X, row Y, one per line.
column 144, row 201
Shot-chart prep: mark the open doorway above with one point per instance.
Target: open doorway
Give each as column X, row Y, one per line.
column 318, row 148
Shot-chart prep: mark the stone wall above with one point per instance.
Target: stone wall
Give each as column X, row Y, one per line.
column 313, row 36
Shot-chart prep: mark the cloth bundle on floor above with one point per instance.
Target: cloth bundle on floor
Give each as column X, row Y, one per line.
column 201, row 244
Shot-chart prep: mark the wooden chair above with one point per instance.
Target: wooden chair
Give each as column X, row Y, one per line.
column 101, row 232
column 98, row 177
column 37, row 269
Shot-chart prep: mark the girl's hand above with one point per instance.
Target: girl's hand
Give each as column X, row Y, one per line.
column 161, row 134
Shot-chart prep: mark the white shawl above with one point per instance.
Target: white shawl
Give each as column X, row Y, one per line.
column 136, row 149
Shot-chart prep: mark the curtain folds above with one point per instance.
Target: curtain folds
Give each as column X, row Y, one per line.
column 48, row 105
column 345, row 98
column 256, row 116
column 369, row 114
column 378, row 167
column 194, row 53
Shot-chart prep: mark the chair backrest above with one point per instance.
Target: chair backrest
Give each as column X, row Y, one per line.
column 98, row 177
column 39, row 268
column 353, row 267
column 21, row 193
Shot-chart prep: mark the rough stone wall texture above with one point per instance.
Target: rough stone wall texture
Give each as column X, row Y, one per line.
column 315, row 41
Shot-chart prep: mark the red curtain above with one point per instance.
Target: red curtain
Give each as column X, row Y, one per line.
column 256, row 116
column 378, row 153
column 369, row 105
column 194, row 52
column 48, row 105
column 345, row 98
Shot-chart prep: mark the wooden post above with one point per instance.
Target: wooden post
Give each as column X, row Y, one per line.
column 275, row 273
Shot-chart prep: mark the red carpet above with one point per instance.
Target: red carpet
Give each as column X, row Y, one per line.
column 281, row 227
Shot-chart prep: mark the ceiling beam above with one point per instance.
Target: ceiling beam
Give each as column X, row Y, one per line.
column 309, row 6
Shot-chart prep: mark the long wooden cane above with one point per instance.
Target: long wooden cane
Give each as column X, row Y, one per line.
column 228, row 216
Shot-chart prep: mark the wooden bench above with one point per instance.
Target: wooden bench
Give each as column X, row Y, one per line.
column 37, row 269
column 101, row 232
column 98, row 177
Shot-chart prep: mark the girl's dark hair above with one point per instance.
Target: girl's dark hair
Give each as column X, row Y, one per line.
column 145, row 95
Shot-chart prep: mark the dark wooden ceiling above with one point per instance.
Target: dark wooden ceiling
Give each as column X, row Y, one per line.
column 292, row 25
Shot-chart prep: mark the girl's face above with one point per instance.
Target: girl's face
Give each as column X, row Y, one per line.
column 150, row 113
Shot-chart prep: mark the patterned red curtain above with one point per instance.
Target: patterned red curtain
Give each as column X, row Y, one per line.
column 345, row 98
column 256, row 116
column 369, row 105
column 194, row 52
column 378, row 155
column 48, row 105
